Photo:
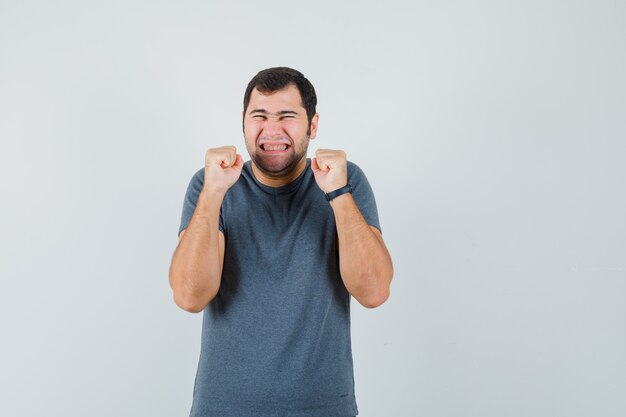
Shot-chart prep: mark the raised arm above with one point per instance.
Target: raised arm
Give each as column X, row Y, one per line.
column 364, row 261
column 196, row 269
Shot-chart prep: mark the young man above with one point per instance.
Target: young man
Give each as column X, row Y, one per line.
column 271, row 250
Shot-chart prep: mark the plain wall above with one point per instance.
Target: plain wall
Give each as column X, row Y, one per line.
column 492, row 132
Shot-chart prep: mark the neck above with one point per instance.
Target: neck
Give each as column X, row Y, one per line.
column 280, row 180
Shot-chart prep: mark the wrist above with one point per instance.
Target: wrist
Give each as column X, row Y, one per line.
column 212, row 194
column 343, row 203
column 338, row 192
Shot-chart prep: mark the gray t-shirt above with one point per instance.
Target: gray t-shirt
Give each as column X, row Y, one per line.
column 276, row 338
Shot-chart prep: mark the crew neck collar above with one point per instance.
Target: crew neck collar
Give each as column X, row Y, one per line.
column 283, row 189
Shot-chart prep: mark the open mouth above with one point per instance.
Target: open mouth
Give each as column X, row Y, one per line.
column 278, row 147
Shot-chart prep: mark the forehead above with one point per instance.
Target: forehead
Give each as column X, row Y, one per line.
column 287, row 98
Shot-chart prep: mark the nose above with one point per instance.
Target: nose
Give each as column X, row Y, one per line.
column 272, row 127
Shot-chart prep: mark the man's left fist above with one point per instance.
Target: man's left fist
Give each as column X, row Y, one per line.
column 330, row 168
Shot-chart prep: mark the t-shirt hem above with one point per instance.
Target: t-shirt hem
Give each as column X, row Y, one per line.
column 337, row 411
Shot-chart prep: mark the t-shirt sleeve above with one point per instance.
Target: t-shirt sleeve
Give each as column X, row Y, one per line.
column 191, row 199
column 363, row 195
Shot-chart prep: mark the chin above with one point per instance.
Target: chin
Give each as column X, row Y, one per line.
column 276, row 168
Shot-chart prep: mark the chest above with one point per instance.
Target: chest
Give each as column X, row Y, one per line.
column 266, row 226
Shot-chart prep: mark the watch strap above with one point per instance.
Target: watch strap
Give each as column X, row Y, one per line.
column 334, row 194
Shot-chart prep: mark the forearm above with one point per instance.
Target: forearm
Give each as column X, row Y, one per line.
column 364, row 262
column 196, row 268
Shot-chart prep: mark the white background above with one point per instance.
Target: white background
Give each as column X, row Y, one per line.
column 492, row 132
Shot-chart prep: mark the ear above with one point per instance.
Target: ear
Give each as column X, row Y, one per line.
column 314, row 121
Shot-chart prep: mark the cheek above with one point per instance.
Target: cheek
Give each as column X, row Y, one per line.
column 294, row 130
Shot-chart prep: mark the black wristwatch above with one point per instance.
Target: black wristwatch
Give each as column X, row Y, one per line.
column 338, row 192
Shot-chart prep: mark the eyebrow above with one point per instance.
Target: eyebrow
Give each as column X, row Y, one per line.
column 280, row 113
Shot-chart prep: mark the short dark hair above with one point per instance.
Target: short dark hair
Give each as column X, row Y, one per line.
column 273, row 79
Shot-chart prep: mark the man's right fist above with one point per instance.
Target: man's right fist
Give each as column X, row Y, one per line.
column 222, row 168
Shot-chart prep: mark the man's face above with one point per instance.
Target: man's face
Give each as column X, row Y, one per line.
column 275, row 130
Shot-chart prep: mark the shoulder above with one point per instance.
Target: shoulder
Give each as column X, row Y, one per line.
column 197, row 179
column 199, row 174
column 354, row 170
column 352, row 165
column 358, row 179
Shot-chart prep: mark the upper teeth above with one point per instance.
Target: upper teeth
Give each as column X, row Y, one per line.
column 269, row 147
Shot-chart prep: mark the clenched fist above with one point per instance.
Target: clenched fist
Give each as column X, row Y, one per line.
column 222, row 168
column 330, row 168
